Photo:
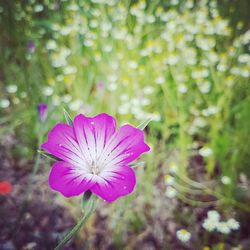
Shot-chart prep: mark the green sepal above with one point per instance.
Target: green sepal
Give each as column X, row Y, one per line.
column 144, row 124
column 47, row 155
column 67, row 117
column 85, row 199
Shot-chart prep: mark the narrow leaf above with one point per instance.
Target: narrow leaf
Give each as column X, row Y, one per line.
column 47, row 155
column 144, row 124
column 67, row 117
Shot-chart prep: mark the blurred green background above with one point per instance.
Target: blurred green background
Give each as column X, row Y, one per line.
column 184, row 64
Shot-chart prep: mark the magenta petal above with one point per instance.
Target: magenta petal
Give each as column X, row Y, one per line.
column 62, row 144
column 125, row 146
column 119, row 183
column 93, row 133
column 68, row 180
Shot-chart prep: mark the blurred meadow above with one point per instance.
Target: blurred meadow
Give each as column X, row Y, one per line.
column 184, row 64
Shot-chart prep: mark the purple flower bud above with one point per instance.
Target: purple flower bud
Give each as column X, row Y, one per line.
column 42, row 109
column 31, row 47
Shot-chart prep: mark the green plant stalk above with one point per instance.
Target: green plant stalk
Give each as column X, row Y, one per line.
column 221, row 198
column 186, row 189
column 196, row 203
column 89, row 210
column 182, row 138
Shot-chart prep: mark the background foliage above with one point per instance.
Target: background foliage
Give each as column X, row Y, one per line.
column 185, row 64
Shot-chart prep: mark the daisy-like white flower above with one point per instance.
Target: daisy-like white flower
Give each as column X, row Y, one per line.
column 171, row 192
column 183, row 235
column 233, row 224
column 223, row 227
column 12, row 88
column 173, row 168
column 213, row 215
column 4, row 103
column 210, row 224
column 169, row 180
column 239, row 247
column 225, row 180
column 212, row 220
column 48, row 91
column 160, row 80
column 94, row 155
column 205, row 151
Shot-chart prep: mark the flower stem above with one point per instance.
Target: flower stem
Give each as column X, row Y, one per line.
column 90, row 207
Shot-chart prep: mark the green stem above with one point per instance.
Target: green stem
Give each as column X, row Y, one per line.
column 218, row 195
column 89, row 210
column 195, row 202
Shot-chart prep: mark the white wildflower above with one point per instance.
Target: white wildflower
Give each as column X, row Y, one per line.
column 173, row 168
column 124, row 109
column 233, row 224
column 183, row 235
column 210, row 224
column 66, row 98
column 171, row 192
column 70, row 70
column 205, row 151
column 155, row 117
column 182, row 88
column 93, row 23
column 124, row 97
column 148, row 90
column 75, row 105
column 4, row 103
column 11, row 89
column 169, row 180
column 223, row 228
column 48, row 91
column 160, row 80
column 112, row 86
column 59, row 78
column 38, row 8
column 107, row 48
column 51, row 45
column 213, row 215
column 56, row 100
column 145, row 102
column 225, row 180
column 199, row 122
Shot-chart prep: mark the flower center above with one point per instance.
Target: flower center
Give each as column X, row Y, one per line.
column 95, row 170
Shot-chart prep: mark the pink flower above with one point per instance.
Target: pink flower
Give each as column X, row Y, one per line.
column 94, row 156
